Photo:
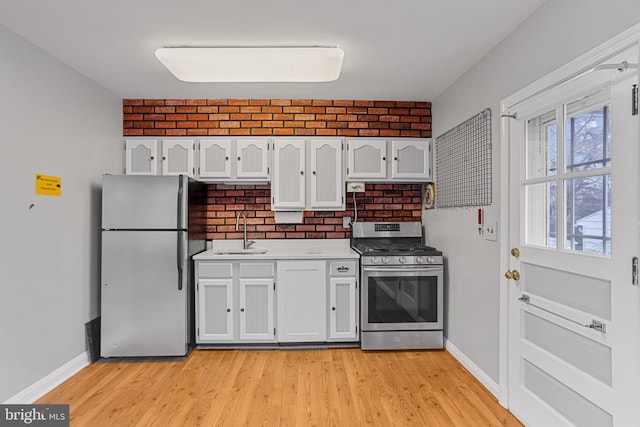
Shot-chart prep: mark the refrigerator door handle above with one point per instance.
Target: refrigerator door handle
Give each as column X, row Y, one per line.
column 181, row 203
column 181, row 257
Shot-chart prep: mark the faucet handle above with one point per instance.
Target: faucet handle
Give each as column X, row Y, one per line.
column 249, row 243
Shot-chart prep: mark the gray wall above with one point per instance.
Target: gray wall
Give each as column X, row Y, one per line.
column 555, row 34
column 53, row 121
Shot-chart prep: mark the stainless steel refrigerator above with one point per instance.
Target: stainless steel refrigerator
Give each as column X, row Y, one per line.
column 151, row 226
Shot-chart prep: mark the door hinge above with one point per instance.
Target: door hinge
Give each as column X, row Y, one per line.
column 356, row 329
column 634, row 100
column 634, row 271
column 274, row 332
column 198, row 331
column 274, row 286
column 597, row 325
column 347, row 171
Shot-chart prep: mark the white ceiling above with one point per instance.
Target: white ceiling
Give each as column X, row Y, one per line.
column 394, row 50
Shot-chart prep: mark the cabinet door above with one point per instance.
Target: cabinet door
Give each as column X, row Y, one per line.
column 177, row 157
column 288, row 184
column 141, row 156
column 342, row 306
column 326, row 182
column 214, row 159
column 411, row 159
column 367, row 158
column 302, row 298
column 252, row 159
column 256, row 309
column 215, row 310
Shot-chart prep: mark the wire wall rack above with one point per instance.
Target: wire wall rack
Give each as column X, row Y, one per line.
column 463, row 163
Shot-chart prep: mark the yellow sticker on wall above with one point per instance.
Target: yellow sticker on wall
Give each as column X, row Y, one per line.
column 48, row 185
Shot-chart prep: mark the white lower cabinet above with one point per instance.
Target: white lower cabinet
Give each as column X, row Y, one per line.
column 235, row 302
column 316, row 300
column 343, row 301
column 302, row 301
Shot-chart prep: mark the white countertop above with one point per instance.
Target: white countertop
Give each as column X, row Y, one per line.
column 281, row 249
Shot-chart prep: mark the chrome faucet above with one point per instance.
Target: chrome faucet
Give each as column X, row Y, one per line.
column 246, row 244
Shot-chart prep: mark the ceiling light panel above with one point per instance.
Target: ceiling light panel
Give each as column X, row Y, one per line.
column 252, row 64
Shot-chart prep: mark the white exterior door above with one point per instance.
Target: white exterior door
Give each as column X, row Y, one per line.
column 574, row 309
column 177, row 157
column 327, row 184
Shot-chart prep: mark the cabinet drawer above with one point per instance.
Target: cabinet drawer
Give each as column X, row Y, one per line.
column 214, row 269
column 261, row 269
column 343, row 268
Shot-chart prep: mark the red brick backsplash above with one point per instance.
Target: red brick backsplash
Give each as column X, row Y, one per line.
column 293, row 117
column 379, row 202
column 287, row 117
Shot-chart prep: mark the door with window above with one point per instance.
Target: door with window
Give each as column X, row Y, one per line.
column 574, row 302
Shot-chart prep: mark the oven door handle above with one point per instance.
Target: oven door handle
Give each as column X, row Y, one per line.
column 401, row 270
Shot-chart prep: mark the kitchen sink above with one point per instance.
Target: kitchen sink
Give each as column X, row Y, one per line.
column 241, row 252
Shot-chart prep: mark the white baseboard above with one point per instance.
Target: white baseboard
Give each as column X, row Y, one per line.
column 480, row 375
column 44, row 385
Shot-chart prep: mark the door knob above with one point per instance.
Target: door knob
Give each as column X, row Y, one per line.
column 515, row 252
column 515, row 275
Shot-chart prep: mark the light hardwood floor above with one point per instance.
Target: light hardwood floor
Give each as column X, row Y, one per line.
column 335, row 387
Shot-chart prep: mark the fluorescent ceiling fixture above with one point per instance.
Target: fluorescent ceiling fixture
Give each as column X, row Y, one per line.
column 252, row 64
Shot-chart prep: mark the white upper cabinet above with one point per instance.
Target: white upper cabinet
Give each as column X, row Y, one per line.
column 307, row 174
column 397, row 160
column 411, row 159
column 214, row 160
column 326, row 179
column 141, row 156
column 177, row 157
column 367, row 159
column 252, row 158
column 288, row 183
column 170, row 156
column 234, row 159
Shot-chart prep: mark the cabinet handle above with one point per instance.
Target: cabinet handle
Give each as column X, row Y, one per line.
column 238, row 158
column 151, row 158
column 226, row 157
column 333, row 309
column 228, row 310
column 395, row 158
column 384, row 158
column 301, row 172
column 343, row 269
column 314, row 172
column 242, row 309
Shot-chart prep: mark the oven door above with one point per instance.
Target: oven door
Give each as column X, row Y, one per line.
column 402, row 298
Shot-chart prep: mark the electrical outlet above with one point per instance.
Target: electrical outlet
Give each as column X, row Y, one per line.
column 355, row 187
column 346, row 221
column 491, row 231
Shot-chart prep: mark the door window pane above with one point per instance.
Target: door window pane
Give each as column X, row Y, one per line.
column 588, row 211
column 541, row 214
column 588, row 134
column 541, row 154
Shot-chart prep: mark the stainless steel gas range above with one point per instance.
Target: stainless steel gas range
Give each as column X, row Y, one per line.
column 401, row 287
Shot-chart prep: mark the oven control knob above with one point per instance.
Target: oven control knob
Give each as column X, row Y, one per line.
column 430, row 260
column 385, row 260
column 419, row 260
column 376, row 260
column 402, row 260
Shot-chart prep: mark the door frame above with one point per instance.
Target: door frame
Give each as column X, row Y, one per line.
column 508, row 105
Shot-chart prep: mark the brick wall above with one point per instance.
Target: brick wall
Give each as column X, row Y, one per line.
column 287, row 117
column 200, row 117
column 379, row 202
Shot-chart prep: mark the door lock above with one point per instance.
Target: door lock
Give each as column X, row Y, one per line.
column 515, row 275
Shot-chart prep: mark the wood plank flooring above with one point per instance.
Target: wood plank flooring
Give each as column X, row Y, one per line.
column 334, row 387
